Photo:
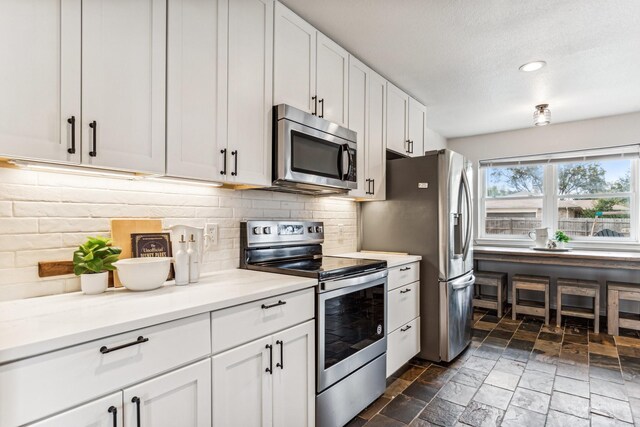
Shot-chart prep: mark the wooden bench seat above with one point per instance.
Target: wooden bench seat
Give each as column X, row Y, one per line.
column 527, row 282
column 617, row 291
column 579, row 287
column 493, row 279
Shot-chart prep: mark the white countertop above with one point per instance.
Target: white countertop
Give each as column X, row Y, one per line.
column 38, row 325
column 393, row 259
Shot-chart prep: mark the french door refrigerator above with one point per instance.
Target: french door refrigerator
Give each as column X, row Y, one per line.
column 428, row 212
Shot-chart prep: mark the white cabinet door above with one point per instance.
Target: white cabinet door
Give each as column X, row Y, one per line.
column 294, row 75
column 193, row 147
column 123, row 84
column 247, row 69
column 397, row 111
column 332, row 77
column 358, row 117
column 104, row 412
column 417, row 127
column 376, row 145
column 179, row 398
column 294, row 377
column 40, row 79
column 242, row 386
column 402, row 345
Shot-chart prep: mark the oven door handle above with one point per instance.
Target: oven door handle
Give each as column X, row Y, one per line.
column 330, row 285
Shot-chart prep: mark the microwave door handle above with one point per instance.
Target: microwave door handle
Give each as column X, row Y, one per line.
column 345, row 161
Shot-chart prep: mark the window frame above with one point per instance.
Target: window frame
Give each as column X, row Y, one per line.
column 550, row 216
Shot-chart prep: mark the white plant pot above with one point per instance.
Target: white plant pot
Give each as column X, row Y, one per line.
column 92, row 284
column 559, row 245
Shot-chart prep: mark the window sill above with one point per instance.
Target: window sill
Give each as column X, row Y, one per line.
column 578, row 245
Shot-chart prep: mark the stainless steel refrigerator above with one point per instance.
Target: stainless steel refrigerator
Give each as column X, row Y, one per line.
column 428, row 212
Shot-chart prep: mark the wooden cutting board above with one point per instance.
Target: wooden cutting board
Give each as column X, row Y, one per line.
column 121, row 230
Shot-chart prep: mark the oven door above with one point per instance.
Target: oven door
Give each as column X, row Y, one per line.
column 352, row 326
column 310, row 156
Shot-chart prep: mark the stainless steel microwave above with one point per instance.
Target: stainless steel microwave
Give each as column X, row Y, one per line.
column 312, row 155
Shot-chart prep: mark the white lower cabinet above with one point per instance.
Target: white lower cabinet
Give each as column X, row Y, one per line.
column 104, row 412
column 179, row 398
column 267, row 382
column 402, row 345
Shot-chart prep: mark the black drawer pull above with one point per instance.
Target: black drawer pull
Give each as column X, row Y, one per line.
column 72, row 121
column 136, row 400
column 270, row 368
column 104, row 349
column 405, row 329
column 281, row 364
column 405, row 291
column 94, row 126
column 224, row 165
column 113, row 410
column 280, row 302
column 405, row 269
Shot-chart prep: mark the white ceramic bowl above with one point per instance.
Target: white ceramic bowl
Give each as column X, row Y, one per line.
column 143, row 274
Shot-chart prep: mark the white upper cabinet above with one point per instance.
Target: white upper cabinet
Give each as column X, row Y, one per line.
column 40, row 79
column 247, row 102
column 332, row 80
column 193, row 148
column 179, row 398
column 358, row 120
column 123, row 84
column 417, row 127
column 397, row 117
column 294, row 80
column 376, row 146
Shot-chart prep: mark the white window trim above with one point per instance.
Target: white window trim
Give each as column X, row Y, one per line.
column 550, row 216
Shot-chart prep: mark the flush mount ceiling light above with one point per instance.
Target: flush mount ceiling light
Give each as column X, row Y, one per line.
column 532, row 66
column 542, row 115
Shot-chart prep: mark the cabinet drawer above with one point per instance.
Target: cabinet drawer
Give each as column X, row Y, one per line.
column 238, row 325
column 402, row 345
column 404, row 305
column 404, row 274
column 35, row 387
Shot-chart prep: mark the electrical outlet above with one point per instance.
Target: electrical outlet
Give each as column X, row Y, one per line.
column 211, row 234
column 340, row 229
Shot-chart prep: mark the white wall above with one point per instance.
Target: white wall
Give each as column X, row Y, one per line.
column 594, row 133
column 44, row 216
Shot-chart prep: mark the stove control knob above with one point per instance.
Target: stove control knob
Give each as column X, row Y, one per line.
column 257, row 230
column 312, row 229
column 267, row 230
column 319, row 229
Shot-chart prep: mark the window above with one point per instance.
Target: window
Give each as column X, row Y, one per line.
column 590, row 195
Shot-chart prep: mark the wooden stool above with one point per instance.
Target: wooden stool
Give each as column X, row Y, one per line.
column 528, row 282
column 586, row 288
column 617, row 291
column 493, row 279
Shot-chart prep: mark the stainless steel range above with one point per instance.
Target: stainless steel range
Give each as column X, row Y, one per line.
column 351, row 317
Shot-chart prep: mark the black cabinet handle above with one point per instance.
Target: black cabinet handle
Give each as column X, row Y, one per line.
column 411, row 146
column 368, row 181
column 281, row 364
column 104, row 349
column 405, row 269
column 266, row 307
column 373, row 186
column 315, row 105
column 321, row 106
column 405, row 329
column 113, row 410
column 270, row 368
column 224, row 164
column 94, row 126
column 405, row 291
column 234, row 153
column 72, row 121
column 136, row 400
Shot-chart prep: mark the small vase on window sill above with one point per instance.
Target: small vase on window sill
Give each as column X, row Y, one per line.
column 559, row 245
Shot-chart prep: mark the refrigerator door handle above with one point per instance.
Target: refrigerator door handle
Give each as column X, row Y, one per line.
column 465, row 284
column 467, row 239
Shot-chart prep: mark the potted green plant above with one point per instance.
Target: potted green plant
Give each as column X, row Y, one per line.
column 92, row 261
column 561, row 239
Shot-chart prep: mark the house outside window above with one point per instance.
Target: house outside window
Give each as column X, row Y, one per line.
column 590, row 195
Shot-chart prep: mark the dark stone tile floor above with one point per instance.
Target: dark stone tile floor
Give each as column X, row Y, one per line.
column 519, row 373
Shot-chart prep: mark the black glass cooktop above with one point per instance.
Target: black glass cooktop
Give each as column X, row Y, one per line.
column 322, row 267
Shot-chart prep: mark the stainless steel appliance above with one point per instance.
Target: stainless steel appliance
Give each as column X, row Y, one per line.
column 312, row 155
column 351, row 319
column 428, row 212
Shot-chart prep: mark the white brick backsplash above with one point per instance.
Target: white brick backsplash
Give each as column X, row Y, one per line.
column 44, row 216
column 6, row 208
column 18, row 225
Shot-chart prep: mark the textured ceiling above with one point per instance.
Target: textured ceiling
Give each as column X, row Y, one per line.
column 461, row 57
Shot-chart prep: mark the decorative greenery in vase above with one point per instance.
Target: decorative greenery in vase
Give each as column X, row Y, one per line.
column 96, row 255
column 561, row 237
